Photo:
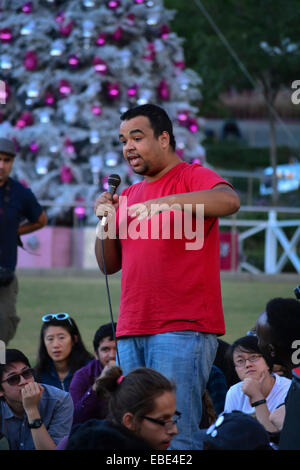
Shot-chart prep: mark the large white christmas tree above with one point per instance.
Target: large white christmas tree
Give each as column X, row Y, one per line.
column 69, row 68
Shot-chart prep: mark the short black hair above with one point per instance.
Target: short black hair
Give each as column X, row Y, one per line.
column 283, row 316
column 159, row 119
column 12, row 355
column 105, row 331
column 249, row 344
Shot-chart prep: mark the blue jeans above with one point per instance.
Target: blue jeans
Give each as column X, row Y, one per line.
column 186, row 357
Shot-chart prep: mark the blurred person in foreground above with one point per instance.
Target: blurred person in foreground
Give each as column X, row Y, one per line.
column 142, row 413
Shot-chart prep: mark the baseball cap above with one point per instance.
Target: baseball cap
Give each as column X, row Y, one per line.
column 235, row 431
column 7, row 146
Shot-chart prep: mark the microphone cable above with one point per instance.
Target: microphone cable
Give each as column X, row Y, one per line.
column 113, row 183
column 108, row 292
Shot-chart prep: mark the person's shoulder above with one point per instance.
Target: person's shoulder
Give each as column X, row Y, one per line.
column 236, row 388
column 53, row 393
column 132, row 188
column 89, row 368
column 282, row 381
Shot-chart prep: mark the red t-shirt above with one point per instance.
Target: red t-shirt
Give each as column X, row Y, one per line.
column 165, row 286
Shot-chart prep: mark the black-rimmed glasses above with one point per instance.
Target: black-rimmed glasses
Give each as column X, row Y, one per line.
column 15, row 379
column 168, row 425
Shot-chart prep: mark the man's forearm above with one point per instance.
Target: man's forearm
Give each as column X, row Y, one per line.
column 29, row 227
column 112, row 255
column 41, row 438
column 217, row 202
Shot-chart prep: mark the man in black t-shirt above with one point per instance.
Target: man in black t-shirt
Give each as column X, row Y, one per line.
column 16, row 204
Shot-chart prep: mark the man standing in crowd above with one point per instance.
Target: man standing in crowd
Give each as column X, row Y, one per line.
column 171, row 308
column 33, row 416
column 16, row 203
column 86, row 404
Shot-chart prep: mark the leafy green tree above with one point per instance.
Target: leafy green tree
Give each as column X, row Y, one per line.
column 243, row 44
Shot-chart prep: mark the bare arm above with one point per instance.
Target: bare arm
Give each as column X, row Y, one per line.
column 219, row 201
column 104, row 204
column 29, row 227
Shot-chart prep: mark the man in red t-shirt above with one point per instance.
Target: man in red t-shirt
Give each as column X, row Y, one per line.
column 166, row 242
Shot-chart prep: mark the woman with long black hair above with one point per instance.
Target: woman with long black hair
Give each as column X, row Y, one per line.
column 61, row 351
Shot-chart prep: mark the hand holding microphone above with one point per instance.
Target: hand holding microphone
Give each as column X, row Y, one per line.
column 107, row 202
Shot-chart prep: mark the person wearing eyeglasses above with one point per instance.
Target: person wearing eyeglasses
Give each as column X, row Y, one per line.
column 259, row 391
column 142, row 407
column 33, row 416
column 61, row 351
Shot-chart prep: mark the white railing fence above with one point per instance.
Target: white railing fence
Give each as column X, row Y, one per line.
column 274, row 236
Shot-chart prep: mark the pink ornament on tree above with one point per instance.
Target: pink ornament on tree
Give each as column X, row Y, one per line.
column 49, row 99
column 151, row 55
column 73, row 61
column 117, row 35
column 163, row 90
column 65, row 88
column 34, row 148
column 180, row 64
column 101, row 39
column 139, row 1
column 5, row 93
column 164, row 31
column 132, row 91
column 27, row 7
column 66, row 175
column 66, row 30
column 113, row 4
column 69, row 147
column 131, row 19
column 193, row 125
column 5, row 35
column 60, row 18
column 97, row 110
column 182, row 117
column 99, row 65
column 26, row 119
column 113, row 90
column 30, row 61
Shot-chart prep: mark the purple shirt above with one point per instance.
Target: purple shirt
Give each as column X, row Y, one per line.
column 86, row 404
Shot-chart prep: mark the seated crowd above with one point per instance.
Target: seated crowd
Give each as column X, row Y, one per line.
column 73, row 400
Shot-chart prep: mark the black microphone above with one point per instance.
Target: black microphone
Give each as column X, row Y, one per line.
column 113, row 183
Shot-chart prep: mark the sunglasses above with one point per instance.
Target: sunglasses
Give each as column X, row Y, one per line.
column 15, row 379
column 57, row 316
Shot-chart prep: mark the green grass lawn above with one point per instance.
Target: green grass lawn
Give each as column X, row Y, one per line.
column 84, row 298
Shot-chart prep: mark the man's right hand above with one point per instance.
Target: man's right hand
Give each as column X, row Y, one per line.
column 106, row 205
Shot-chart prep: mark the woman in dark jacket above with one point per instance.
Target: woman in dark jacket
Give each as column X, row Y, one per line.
column 61, row 351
